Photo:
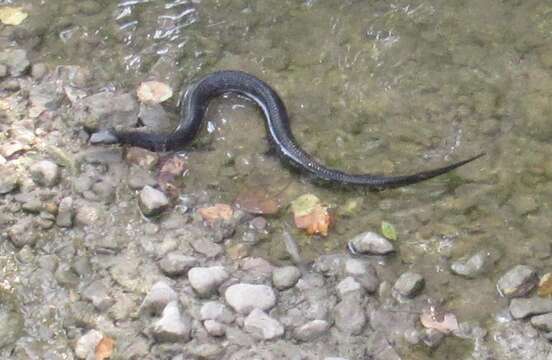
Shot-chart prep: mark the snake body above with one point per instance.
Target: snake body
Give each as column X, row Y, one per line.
column 193, row 106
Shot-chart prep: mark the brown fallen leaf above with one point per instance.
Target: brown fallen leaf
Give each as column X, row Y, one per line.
column 257, row 202
column 104, row 349
column 545, row 285
column 154, row 92
column 10, row 15
column 216, row 212
column 444, row 322
column 311, row 215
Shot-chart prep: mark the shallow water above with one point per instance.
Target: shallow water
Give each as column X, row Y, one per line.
column 371, row 86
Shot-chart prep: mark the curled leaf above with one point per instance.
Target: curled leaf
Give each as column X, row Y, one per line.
column 311, row 215
column 154, row 92
column 257, row 202
column 388, row 230
column 434, row 319
column 216, row 212
column 104, row 349
column 10, row 15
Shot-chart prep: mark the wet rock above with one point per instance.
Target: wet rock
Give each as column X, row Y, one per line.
column 65, row 213
column 542, row 322
column 476, row 264
column 349, row 315
column 214, row 328
column 176, row 264
column 262, row 326
column 243, row 298
column 45, row 173
column 107, row 109
column 311, row 330
column 98, row 294
column 86, row 215
column 8, row 181
column 154, row 117
column 172, row 327
column 206, row 247
column 158, row 297
column 139, row 177
column 409, row 284
column 370, row 243
column 363, row 273
column 521, row 308
column 285, row 277
column 518, row 282
column 152, row 201
column 38, row 71
column 23, row 233
column 16, row 61
column 205, row 280
column 217, row 311
column 86, row 345
column 347, row 286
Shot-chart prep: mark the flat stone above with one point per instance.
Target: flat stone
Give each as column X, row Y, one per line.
column 521, row 307
column 243, row 298
column 206, row 247
column 172, row 327
column 518, row 281
column 152, row 201
column 349, row 316
column 409, row 284
column 214, row 310
column 285, row 277
column 108, row 109
column 311, row 330
column 542, row 322
column 262, row 326
column 347, row 286
column 176, row 264
column 370, row 243
column 45, row 173
column 474, row 265
column 85, row 347
column 65, row 213
column 206, row 280
column 158, row 297
column 16, row 60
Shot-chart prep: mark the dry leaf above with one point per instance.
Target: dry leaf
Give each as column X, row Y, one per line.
column 154, row 92
column 257, row 202
column 435, row 319
column 104, row 349
column 311, row 215
column 10, row 15
column 216, row 212
column 545, row 285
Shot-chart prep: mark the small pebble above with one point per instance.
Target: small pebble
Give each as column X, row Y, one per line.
column 370, row 243
column 285, row 277
column 409, row 284
column 205, row 280
column 86, row 345
column 45, row 173
column 172, row 327
column 176, row 264
column 262, row 326
column 158, row 297
column 152, row 201
column 243, row 298
column 518, row 282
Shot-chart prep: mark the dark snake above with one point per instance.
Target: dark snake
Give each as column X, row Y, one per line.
column 193, row 106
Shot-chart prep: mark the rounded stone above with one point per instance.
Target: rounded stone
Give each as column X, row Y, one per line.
column 262, row 326
column 45, row 173
column 243, row 298
column 409, row 284
column 285, row 277
column 205, row 280
column 517, row 282
column 370, row 243
column 152, row 201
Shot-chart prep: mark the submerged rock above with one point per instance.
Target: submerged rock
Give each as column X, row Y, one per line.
column 349, row 316
column 152, row 201
column 370, row 243
column 476, row 264
column 409, row 284
column 520, row 308
column 518, row 282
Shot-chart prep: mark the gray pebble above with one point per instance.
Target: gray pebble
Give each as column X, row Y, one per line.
column 206, row 247
column 206, row 280
column 347, row 286
column 176, row 264
column 85, row 347
column 158, row 297
column 243, row 298
column 476, row 264
column 214, row 310
column 86, row 215
column 214, row 328
column 172, row 327
column 23, row 233
column 370, row 243
column 542, row 322
column 262, row 326
column 349, row 315
column 311, row 330
column 285, row 277
column 152, row 201
column 45, row 173
column 409, row 284
column 521, row 307
column 518, row 281
column 16, row 61
column 65, row 213
column 98, row 294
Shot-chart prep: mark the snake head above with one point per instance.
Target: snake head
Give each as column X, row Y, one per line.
column 104, row 137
